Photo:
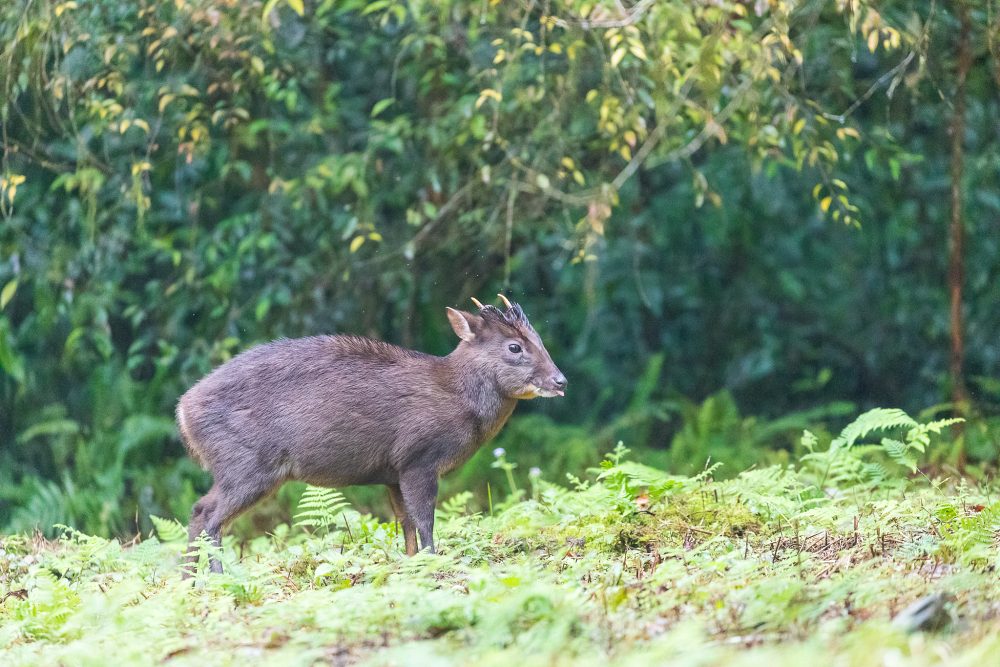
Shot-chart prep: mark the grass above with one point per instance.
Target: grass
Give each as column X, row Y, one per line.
column 808, row 564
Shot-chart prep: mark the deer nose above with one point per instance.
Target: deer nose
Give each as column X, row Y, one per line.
column 559, row 380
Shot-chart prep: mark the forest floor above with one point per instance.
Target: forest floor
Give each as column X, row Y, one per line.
column 630, row 567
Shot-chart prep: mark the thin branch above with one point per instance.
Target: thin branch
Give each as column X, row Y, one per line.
column 891, row 74
column 628, row 18
column 442, row 213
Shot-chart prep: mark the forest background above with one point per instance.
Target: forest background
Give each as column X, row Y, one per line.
column 729, row 221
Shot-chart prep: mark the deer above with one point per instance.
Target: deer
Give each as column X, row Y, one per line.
column 343, row 410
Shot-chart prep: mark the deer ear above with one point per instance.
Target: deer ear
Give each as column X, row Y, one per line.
column 463, row 324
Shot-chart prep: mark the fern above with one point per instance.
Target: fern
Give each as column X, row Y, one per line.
column 878, row 419
column 546, row 580
column 919, row 437
column 970, row 539
column 636, row 477
column 456, row 506
column 847, row 462
column 319, row 507
column 169, row 530
column 900, row 452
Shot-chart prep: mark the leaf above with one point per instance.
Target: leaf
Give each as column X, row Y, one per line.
column 51, row 427
column 486, row 94
column 894, row 168
column 266, row 12
column 381, row 106
column 617, row 56
column 7, row 293
column 320, row 507
column 873, row 40
column 543, row 181
column 357, row 242
column 874, row 420
column 824, row 203
column 168, row 530
column 260, row 312
column 297, row 6
column 899, row 452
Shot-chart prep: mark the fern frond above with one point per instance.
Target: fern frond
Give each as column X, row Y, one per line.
column 878, row 419
column 809, row 440
column 456, row 506
column 168, row 530
column 900, row 453
column 635, row 476
column 920, row 435
column 319, row 507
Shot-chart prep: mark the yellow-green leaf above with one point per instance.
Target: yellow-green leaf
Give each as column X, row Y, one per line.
column 60, row 8
column 297, row 6
column 357, row 242
column 824, row 204
column 486, row 94
column 382, row 105
column 7, row 293
column 873, row 40
column 617, row 56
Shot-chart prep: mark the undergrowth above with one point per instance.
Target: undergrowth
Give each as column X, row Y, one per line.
column 850, row 556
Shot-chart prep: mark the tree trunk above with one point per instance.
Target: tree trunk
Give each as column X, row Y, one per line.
column 956, row 231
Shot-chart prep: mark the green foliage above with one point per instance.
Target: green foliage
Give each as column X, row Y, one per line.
column 169, row 530
column 847, row 462
column 652, row 178
column 631, row 565
column 716, row 431
column 319, row 507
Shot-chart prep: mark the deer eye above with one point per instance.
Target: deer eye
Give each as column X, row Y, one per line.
column 515, row 348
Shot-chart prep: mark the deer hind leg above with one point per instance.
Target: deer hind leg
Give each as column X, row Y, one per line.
column 199, row 515
column 221, row 505
column 399, row 509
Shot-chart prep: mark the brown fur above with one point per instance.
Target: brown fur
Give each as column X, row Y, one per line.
column 345, row 410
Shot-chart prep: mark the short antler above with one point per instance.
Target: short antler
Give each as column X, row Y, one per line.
column 506, row 302
column 478, row 304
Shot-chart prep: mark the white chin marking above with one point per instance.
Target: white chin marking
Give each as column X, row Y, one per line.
column 532, row 391
column 547, row 393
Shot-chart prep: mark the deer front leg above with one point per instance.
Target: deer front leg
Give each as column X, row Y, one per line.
column 419, row 488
